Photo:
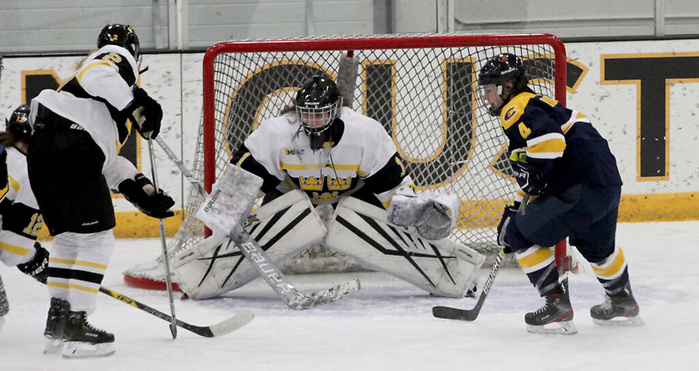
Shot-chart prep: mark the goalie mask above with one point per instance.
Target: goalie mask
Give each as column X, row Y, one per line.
column 500, row 70
column 122, row 35
column 317, row 106
column 18, row 124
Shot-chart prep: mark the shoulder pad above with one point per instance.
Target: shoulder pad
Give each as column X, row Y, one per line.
column 514, row 109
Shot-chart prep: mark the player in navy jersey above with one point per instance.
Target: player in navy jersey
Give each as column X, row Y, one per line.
column 559, row 157
column 72, row 163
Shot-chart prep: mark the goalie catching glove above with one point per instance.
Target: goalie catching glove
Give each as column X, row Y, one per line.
column 433, row 216
column 142, row 194
column 145, row 113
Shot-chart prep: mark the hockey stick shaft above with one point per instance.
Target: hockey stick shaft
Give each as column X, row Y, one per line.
column 472, row 314
column 161, row 225
column 261, row 261
column 231, row 324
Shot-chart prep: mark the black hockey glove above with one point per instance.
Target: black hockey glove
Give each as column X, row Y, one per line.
column 145, row 113
column 507, row 217
column 509, row 236
column 37, row 267
column 141, row 193
column 528, row 178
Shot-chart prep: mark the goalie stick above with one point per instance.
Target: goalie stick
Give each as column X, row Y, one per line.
column 471, row 314
column 237, row 321
column 293, row 298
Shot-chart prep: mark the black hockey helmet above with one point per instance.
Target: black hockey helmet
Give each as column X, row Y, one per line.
column 122, row 35
column 500, row 70
column 18, row 124
column 321, row 99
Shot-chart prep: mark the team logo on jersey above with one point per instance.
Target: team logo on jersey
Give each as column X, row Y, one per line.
column 510, row 112
column 311, row 183
column 325, row 197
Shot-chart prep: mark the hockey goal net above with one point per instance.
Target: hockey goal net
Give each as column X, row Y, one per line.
column 422, row 88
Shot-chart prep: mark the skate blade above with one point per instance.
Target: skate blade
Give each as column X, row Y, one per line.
column 77, row 349
column 554, row 328
column 53, row 346
column 620, row 322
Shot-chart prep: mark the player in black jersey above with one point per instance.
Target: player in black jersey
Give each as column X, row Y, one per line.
column 557, row 155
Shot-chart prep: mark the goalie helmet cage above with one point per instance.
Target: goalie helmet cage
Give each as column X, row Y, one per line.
column 421, row 87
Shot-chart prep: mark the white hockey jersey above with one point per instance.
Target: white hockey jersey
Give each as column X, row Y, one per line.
column 364, row 149
column 92, row 98
column 19, row 212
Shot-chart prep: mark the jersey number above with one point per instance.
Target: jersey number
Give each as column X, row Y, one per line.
column 34, row 226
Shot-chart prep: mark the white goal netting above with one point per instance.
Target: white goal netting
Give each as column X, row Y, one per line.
column 422, row 88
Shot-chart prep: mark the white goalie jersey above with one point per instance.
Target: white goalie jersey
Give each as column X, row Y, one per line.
column 19, row 212
column 363, row 150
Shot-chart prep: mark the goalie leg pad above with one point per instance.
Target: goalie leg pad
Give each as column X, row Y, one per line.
column 282, row 227
column 443, row 268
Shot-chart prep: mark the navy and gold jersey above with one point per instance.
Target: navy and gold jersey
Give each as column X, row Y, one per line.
column 363, row 155
column 560, row 143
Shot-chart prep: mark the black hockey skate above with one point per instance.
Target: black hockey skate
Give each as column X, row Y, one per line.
column 83, row 340
column 55, row 325
column 555, row 317
column 617, row 310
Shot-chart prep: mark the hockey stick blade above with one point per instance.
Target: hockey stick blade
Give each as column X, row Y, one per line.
column 454, row 313
column 302, row 300
column 239, row 320
column 293, row 298
column 472, row 314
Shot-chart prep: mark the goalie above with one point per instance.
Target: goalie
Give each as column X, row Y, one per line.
column 321, row 152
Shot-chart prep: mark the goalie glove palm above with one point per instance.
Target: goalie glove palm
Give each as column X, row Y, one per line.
column 141, row 193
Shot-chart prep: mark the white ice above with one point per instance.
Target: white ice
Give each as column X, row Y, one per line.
column 387, row 325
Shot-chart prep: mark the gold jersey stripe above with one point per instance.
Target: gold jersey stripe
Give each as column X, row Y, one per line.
column 612, row 267
column 14, row 249
column 73, row 286
column 95, row 63
column 78, row 262
column 301, row 167
column 533, row 257
column 548, row 146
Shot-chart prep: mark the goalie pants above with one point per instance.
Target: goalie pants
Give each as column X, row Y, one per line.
column 65, row 173
column 587, row 216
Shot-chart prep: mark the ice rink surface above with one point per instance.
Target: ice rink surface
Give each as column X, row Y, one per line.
column 388, row 324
